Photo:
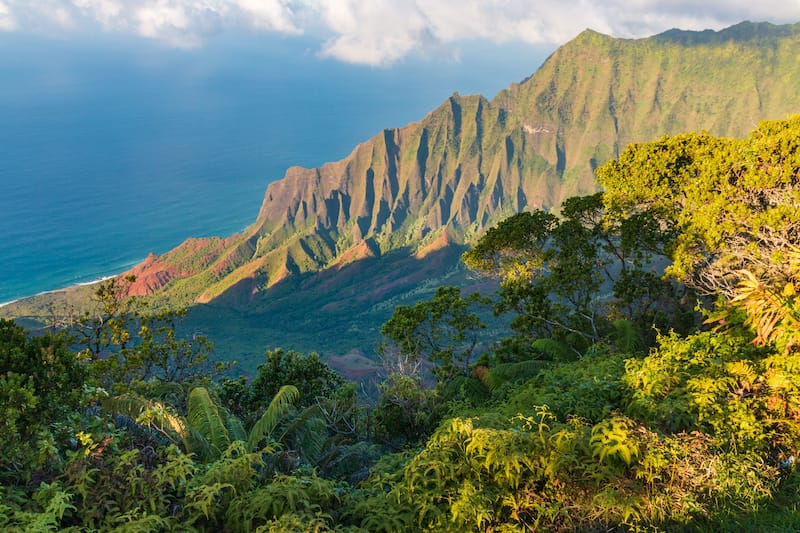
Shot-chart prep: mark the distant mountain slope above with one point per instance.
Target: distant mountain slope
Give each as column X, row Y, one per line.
column 472, row 161
column 335, row 248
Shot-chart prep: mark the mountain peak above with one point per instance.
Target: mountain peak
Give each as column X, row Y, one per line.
column 470, row 162
column 742, row 32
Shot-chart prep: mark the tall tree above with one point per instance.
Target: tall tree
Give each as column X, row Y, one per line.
column 569, row 278
column 732, row 205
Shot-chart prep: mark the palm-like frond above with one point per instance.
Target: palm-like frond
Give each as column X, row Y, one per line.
column 205, row 418
column 279, row 406
column 234, row 426
column 168, row 391
column 774, row 314
column 626, row 338
column 129, row 405
column 503, row 373
column 555, row 350
column 307, row 434
column 160, row 417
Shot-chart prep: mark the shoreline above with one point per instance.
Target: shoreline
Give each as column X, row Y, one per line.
column 53, row 291
column 87, row 283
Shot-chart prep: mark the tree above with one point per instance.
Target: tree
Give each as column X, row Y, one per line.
column 732, row 208
column 731, row 205
column 41, row 382
column 570, row 278
column 407, row 411
column 444, row 330
column 314, row 380
column 107, row 325
column 129, row 345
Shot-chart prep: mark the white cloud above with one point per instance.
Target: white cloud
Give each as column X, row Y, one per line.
column 169, row 23
column 7, row 20
column 374, row 32
column 39, row 15
column 269, row 15
column 178, row 23
column 109, row 13
column 379, row 32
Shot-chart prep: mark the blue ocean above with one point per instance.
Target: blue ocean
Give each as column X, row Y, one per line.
column 112, row 148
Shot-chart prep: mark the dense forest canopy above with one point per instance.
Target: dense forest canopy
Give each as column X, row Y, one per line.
column 649, row 380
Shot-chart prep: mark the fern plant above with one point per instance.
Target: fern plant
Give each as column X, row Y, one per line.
column 611, row 441
column 208, row 429
column 773, row 307
column 204, row 417
column 504, row 373
column 279, row 406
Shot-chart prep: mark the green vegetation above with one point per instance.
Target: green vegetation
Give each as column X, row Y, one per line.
column 649, row 381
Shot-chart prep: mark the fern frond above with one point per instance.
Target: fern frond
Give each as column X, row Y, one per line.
column 309, row 434
column 153, row 414
column 205, row 419
column 234, row 426
column 503, row 373
column 129, row 405
column 626, row 338
column 169, row 391
column 555, row 350
column 774, row 314
column 278, row 407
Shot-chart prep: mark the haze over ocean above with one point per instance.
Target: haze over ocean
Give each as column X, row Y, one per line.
column 115, row 147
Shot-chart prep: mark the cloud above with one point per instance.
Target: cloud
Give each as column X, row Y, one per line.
column 7, row 20
column 374, row 32
column 177, row 23
column 268, row 15
column 169, row 23
column 42, row 15
column 106, row 12
column 380, row 32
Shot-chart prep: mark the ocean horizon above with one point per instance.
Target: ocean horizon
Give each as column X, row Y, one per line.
column 113, row 148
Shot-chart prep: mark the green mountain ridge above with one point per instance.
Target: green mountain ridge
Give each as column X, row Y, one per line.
column 473, row 161
column 440, row 182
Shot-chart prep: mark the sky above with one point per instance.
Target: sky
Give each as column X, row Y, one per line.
column 381, row 32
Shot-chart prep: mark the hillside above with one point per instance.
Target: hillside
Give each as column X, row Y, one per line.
column 329, row 242
column 473, row 161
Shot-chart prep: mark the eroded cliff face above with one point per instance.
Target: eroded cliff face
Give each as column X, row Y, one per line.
column 471, row 162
